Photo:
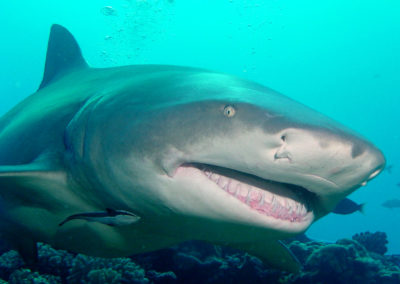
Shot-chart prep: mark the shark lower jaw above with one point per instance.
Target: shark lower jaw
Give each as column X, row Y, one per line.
column 287, row 203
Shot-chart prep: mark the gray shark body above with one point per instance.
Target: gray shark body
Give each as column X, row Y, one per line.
column 196, row 154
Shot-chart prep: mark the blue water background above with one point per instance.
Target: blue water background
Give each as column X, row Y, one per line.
column 340, row 57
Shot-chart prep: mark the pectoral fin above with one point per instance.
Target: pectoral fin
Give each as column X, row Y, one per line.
column 274, row 254
column 41, row 183
column 24, row 188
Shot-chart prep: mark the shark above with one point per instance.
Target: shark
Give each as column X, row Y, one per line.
column 194, row 154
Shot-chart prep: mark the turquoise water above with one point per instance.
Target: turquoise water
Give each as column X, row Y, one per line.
column 339, row 57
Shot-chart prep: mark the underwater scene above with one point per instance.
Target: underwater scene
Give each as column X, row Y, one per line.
column 172, row 141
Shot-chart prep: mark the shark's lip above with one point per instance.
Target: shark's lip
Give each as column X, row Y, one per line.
column 280, row 201
column 322, row 179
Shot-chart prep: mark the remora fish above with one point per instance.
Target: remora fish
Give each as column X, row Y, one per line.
column 109, row 217
column 197, row 154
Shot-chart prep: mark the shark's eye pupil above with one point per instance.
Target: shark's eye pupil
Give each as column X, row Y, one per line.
column 229, row 111
column 283, row 137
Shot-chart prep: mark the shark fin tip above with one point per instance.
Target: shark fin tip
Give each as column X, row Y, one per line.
column 63, row 54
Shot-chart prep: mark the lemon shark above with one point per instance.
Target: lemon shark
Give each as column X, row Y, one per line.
column 195, row 154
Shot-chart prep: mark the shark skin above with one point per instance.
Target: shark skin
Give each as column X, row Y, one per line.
column 198, row 155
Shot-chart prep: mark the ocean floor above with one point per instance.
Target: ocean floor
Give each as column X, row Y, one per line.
column 361, row 259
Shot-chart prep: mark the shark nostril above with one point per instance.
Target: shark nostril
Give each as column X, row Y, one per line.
column 282, row 154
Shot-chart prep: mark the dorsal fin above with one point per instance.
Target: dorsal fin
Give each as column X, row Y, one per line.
column 63, row 55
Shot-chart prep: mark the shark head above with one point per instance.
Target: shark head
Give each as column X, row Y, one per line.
column 213, row 147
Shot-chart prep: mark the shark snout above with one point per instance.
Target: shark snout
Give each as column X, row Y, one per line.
column 338, row 161
column 377, row 162
column 370, row 159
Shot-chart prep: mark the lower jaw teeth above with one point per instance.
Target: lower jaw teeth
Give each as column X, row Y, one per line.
column 264, row 202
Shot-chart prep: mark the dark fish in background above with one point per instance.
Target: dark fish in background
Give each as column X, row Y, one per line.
column 344, row 207
column 347, row 206
column 389, row 168
column 391, row 203
column 398, row 184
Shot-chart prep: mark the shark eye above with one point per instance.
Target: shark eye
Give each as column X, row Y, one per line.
column 283, row 137
column 229, row 111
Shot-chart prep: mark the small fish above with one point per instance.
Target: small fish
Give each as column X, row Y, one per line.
column 109, row 217
column 391, row 203
column 348, row 206
column 108, row 11
column 389, row 168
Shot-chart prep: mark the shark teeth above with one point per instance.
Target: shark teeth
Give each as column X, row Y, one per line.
column 264, row 202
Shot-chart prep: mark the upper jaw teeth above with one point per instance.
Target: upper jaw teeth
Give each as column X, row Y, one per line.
column 261, row 200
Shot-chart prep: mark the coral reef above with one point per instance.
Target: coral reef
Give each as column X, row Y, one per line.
column 357, row 260
column 373, row 242
column 58, row 266
column 198, row 262
column 346, row 261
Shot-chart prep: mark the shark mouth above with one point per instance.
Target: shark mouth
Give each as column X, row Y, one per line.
column 281, row 201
